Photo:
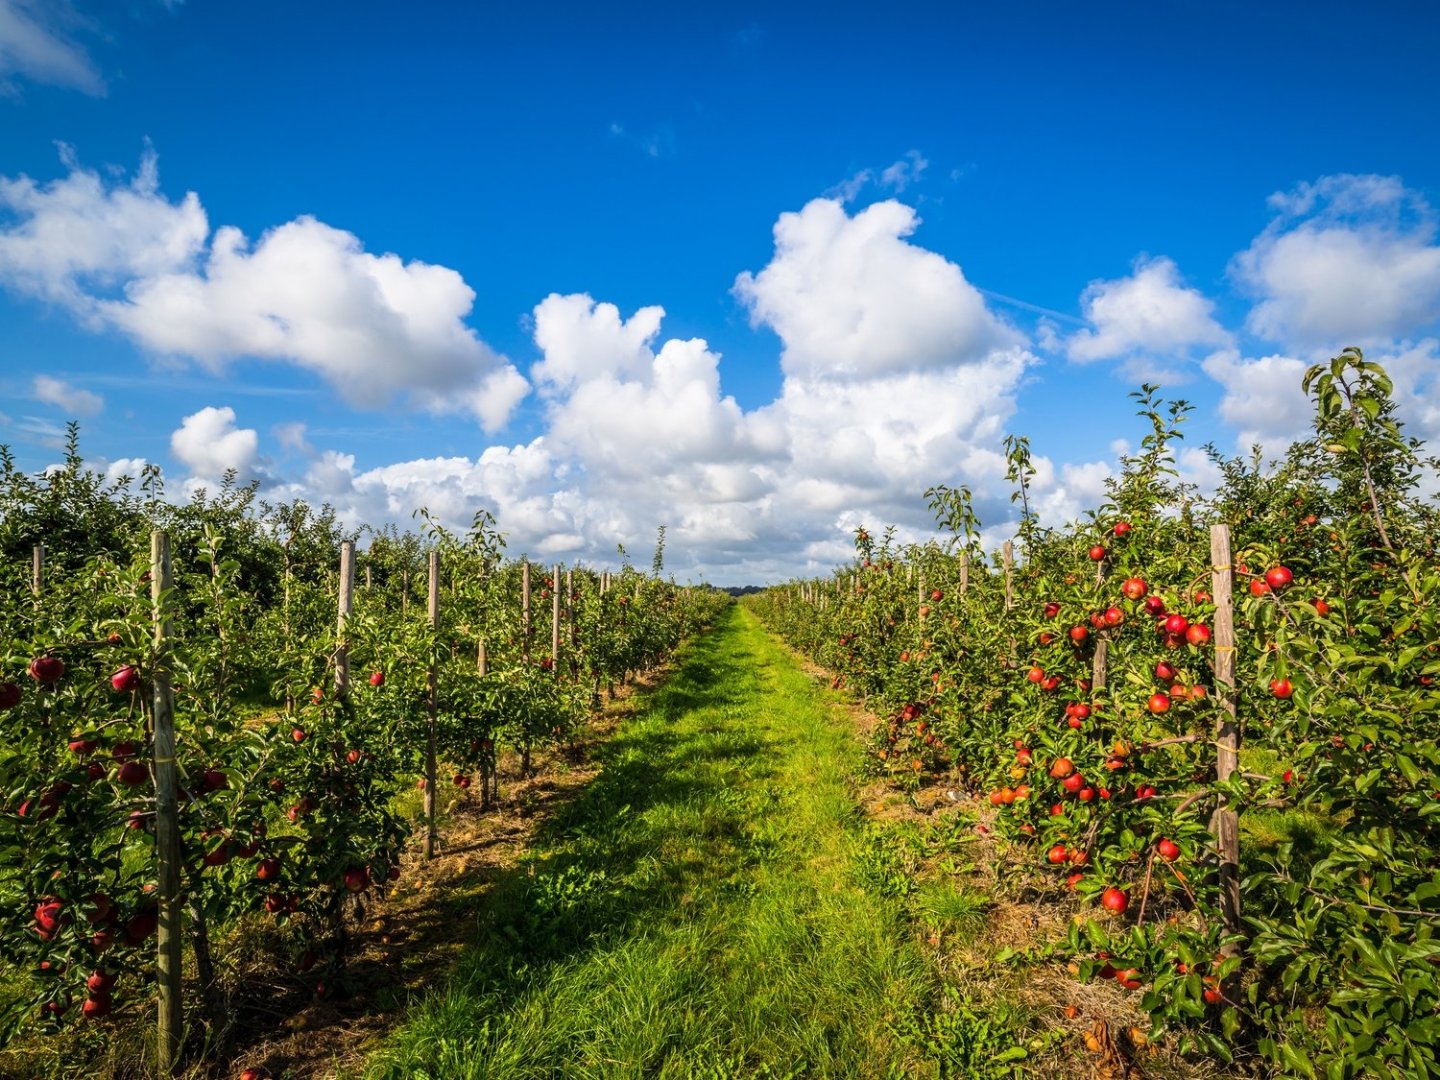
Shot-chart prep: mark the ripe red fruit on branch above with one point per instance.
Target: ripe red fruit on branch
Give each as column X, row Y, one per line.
column 357, row 879
column 1176, row 624
column 1122, row 528
column 1057, row 855
column 1078, row 634
column 126, row 679
column 1134, row 588
column 268, row 870
column 1154, row 606
column 9, row 696
column 1165, row 671
column 133, row 773
column 1114, row 616
column 1073, row 783
column 377, row 678
column 1116, row 900
column 1098, row 553
column 461, row 780
column 1281, row 688
column 1259, row 586
column 1198, row 634
column 1159, row 703
column 1277, row 577
column 1035, row 674
column 936, row 596
column 100, row 981
column 1061, row 768
column 298, row 735
column 96, row 1006
column 1168, row 849
column 47, row 669
column 1129, row 978
column 1052, row 609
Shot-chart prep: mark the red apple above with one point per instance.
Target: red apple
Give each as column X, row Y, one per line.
column 268, row 870
column 1259, row 586
column 1122, row 529
column 377, row 678
column 357, row 879
column 1057, row 855
column 1116, row 900
column 1281, row 688
column 1168, row 849
column 96, row 1006
column 133, row 774
column 1159, row 703
column 9, row 695
column 126, row 679
column 1277, row 577
column 1098, row 553
column 47, row 669
column 1134, row 588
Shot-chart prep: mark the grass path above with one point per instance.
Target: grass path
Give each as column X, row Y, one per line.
column 696, row 912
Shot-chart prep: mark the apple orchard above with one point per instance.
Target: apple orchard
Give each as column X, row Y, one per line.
column 1204, row 728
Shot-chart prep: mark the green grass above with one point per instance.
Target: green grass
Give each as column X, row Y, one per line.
column 708, row 907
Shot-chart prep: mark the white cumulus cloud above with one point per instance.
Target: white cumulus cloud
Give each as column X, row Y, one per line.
column 851, row 298
column 1347, row 260
column 71, row 399
column 208, row 443
column 376, row 327
column 1149, row 319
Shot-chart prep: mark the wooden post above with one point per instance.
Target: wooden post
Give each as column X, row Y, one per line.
column 432, row 696
column 604, row 582
column 555, row 620
column 1226, row 823
column 525, row 611
column 1007, row 555
column 347, row 602
column 369, row 581
column 37, row 568
column 964, row 572
column 1101, row 659
column 405, row 591
column 920, row 588
column 167, row 817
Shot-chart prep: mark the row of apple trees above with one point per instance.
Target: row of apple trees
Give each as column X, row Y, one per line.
column 296, row 740
column 1075, row 690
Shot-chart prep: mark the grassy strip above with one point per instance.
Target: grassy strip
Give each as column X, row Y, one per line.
column 702, row 910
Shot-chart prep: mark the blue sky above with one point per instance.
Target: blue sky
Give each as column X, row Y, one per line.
column 1210, row 196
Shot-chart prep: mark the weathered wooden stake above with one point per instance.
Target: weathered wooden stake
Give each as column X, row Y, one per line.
column 1226, row 823
column 37, row 568
column 1007, row 556
column 432, row 701
column 346, row 606
column 555, row 619
column 167, row 817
